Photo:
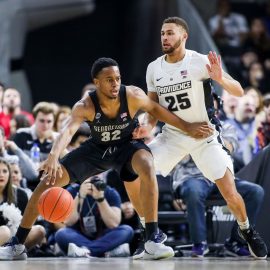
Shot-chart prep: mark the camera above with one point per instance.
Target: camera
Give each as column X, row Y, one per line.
column 98, row 183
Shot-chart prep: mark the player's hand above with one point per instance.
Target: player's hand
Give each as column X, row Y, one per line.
column 50, row 167
column 141, row 132
column 215, row 67
column 199, row 130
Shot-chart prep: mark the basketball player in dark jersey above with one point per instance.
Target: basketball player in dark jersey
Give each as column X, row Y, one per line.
column 110, row 112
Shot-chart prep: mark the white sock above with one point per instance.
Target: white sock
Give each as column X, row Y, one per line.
column 243, row 225
column 142, row 221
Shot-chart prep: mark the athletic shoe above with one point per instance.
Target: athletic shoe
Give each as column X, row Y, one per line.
column 155, row 249
column 120, row 251
column 13, row 251
column 199, row 250
column 235, row 249
column 139, row 252
column 78, row 252
column 255, row 243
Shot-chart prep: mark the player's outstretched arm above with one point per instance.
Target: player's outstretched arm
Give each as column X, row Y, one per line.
column 224, row 79
column 51, row 166
column 142, row 102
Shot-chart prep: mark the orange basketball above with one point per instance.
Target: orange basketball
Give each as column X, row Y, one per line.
column 55, row 204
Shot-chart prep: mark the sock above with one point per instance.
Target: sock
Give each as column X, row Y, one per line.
column 243, row 225
column 22, row 234
column 150, row 228
column 142, row 221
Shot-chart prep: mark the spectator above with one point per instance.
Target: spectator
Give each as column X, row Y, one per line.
column 2, row 88
column 257, row 96
column 244, row 123
column 230, row 104
column 229, row 29
column 80, row 136
column 93, row 227
column 17, row 122
column 61, row 116
column 41, row 132
column 18, row 156
column 11, row 106
column 258, row 39
column 257, row 78
column 13, row 201
column 263, row 133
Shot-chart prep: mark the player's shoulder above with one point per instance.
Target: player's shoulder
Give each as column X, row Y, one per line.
column 134, row 91
column 197, row 58
column 156, row 61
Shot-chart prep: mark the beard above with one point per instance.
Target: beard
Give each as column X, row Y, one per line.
column 172, row 48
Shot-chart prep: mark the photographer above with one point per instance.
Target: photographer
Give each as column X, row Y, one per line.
column 93, row 227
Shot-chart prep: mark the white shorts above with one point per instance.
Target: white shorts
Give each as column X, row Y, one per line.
column 171, row 146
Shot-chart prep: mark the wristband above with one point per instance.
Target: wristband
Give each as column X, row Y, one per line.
column 100, row 199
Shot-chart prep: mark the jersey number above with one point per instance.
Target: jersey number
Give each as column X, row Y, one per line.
column 110, row 136
column 180, row 101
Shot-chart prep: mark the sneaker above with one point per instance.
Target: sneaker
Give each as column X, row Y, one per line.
column 235, row 249
column 78, row 252
column 255, row 243
column 199, row 250
column 155, row 249
column 139, row 252
column 120, row 251
column 13, row 251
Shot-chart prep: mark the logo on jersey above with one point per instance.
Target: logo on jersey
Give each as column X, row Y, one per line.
column 183, row 73
column 98, row 115
column 173, row 88
column 158, row 79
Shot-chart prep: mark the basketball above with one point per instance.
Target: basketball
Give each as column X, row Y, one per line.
column 55, row 204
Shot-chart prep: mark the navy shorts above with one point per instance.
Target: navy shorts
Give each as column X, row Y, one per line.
column 91, row 159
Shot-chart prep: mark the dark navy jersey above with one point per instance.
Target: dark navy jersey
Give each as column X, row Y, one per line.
column 108, row 131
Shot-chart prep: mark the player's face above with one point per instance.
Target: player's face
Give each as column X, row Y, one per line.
column 172, row 37
column 108, row 82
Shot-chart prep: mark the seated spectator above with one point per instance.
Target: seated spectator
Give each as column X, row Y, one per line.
column 40, row 133
column 16, row 155
column 18, row 180
column 258, row 39
column 93, row 228
column 257, row 78
column 257, row 96
column 80, row 136
column 230, row 104
column 12, row 106
column 245, row 126
column 263, row 133
column 229, row 29
column 18, row 121
column 13, row 201
column 61, row 116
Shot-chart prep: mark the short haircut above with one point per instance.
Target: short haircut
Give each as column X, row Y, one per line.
column 44, row 107
column 101, row 63
column 179, row 21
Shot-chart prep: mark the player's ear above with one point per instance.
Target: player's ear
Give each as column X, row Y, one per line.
column 96, row 82
column 185, row 36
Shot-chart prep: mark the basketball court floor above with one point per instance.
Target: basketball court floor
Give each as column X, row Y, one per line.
column 128, row 264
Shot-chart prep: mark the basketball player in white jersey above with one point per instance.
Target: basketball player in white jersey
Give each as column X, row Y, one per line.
column 180, row 80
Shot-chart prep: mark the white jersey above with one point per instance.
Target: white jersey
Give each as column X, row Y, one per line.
column 184, row 87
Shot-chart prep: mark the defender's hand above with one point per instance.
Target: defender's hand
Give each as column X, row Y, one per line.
column 199, row 130
column 215, row 67
column 50, row 167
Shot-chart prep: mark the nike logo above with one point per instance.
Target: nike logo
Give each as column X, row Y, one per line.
column 210, row 141
column 158, row 79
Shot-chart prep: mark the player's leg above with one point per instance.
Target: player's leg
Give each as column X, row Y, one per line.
column 142, row 164
column 216, row 165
